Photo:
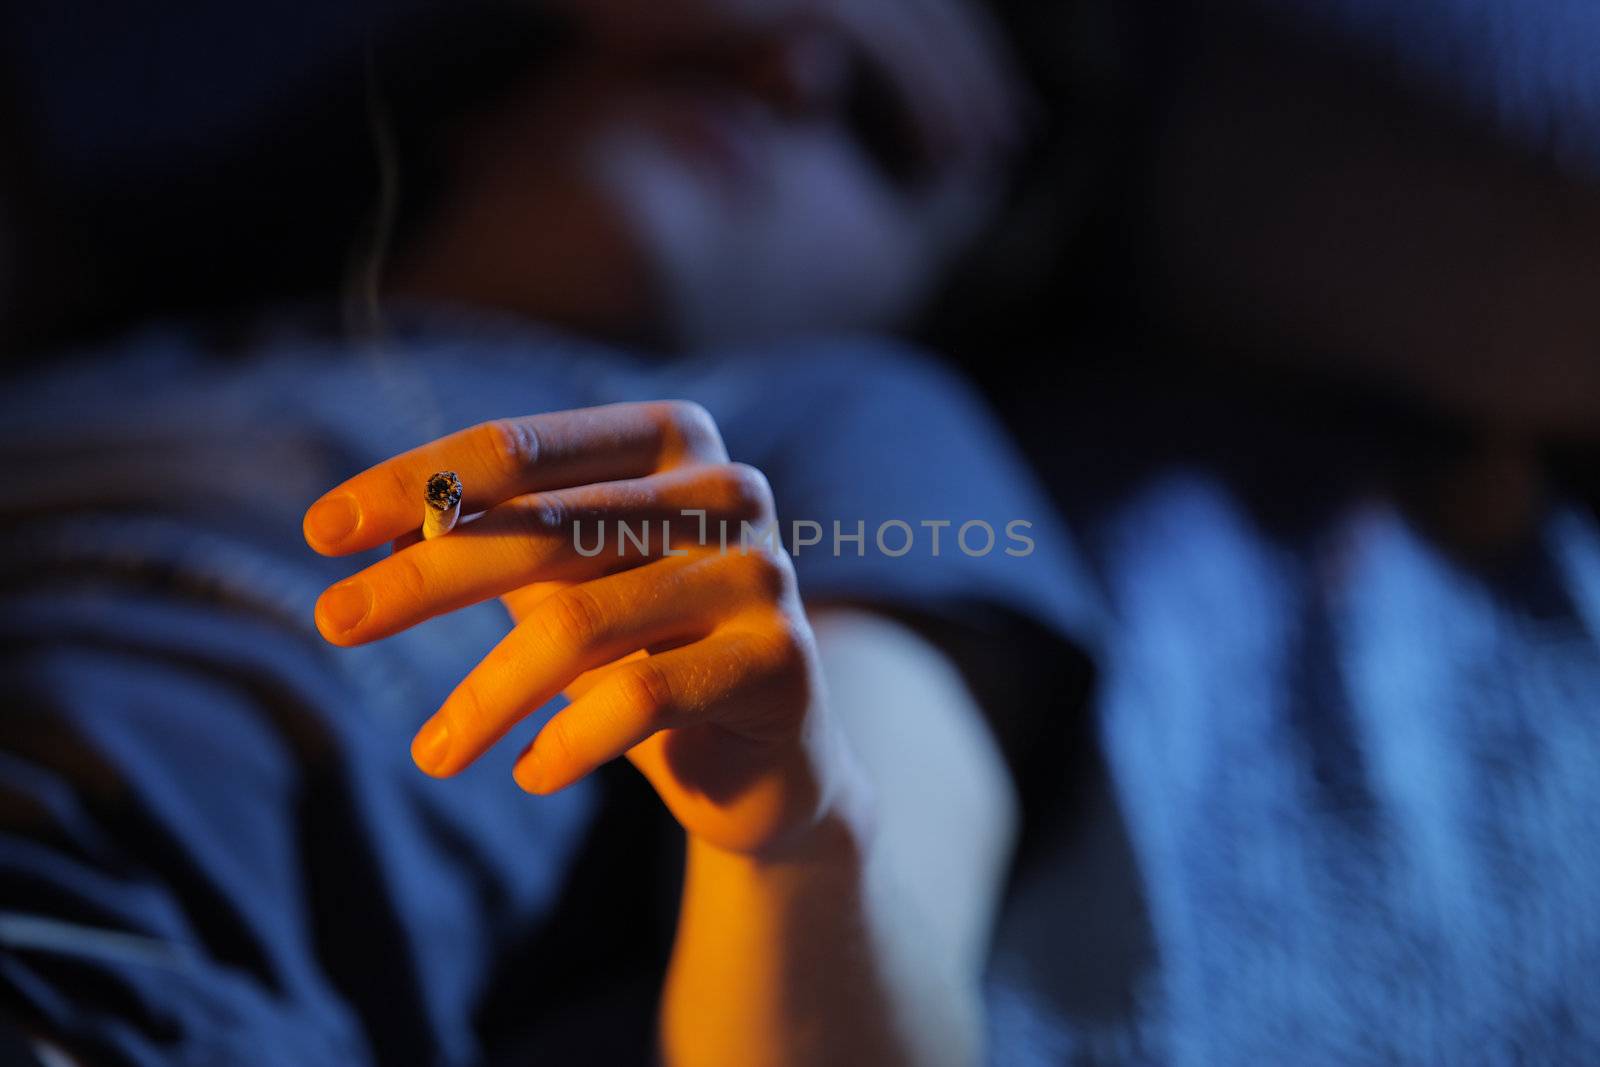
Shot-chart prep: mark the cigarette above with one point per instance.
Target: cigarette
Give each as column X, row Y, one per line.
column 443, row 496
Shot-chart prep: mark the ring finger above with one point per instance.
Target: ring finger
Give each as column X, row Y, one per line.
column 665, row 603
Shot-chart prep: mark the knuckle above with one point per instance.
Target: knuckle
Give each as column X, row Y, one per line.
column 789, row 659
column 543, row 514
column 770, row 576
column 778, row 660
column 747, row 490
column 573, row 618
column 401, row 484
column 404, row 578
column 689, row 430
column 468, row 712
column 556, row 743
column 791, row 643
column 645, row 690
column 511, row 446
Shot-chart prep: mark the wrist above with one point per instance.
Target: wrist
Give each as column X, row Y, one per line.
column 776, row 950
column 837, row 831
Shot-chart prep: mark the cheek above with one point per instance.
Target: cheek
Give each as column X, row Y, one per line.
column 812, row 241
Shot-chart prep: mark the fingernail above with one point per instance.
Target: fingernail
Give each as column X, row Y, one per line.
column 431, row 745
column 526, row 772
column 332, row 519
column 345, row 606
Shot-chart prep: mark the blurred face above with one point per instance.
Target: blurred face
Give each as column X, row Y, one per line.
column 731, row 178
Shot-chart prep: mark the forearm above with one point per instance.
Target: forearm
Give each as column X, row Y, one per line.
column 866, row 947
column 805, row 959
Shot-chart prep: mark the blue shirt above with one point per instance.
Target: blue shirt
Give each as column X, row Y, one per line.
column 1349, row 803
column 213, row 846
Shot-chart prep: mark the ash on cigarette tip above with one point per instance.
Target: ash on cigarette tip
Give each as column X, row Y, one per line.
column 443, row 491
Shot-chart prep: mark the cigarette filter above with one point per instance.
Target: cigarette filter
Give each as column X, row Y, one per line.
column 443, row 496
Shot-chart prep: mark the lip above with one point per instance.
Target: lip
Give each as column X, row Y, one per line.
column 721, row 136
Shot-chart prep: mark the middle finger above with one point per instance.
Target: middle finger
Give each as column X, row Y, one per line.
column 565, row 535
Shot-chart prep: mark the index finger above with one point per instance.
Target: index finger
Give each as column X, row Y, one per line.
column 507, row 458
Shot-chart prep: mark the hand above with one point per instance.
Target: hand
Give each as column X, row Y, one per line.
column 698, row 667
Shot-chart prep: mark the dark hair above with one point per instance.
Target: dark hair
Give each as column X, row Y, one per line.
column 1055, row 259
column 264, row 197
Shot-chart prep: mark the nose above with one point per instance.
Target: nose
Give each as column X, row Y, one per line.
column 804, row 71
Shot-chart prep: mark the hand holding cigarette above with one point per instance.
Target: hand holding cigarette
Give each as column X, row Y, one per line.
column 697, row 665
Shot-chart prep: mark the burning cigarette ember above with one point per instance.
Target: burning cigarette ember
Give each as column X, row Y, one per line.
column 443, row 496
